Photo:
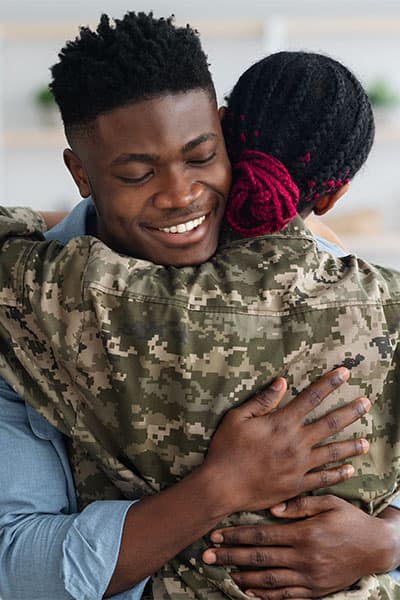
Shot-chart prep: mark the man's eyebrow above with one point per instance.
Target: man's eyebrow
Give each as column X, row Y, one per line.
column 124, row 159
column 204, row 137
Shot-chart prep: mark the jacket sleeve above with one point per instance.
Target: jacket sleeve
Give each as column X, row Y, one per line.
column 26, row 215
column 40, row 316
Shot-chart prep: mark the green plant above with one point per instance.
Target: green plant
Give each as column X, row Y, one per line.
column 44, row 97
column 381, row 94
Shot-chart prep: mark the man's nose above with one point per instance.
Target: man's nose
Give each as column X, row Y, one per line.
column 177, row 192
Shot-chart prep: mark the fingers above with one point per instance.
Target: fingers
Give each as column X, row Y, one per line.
column 338, row 419
column 253, row 557
column 254, row 535
column 266, row 580
column 263, row 402
column 295, row 593
column 327, row 477
column 315, row 393
column 305, row 506
column 338, row 451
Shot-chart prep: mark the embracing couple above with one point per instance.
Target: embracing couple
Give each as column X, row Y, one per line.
column 137, row 356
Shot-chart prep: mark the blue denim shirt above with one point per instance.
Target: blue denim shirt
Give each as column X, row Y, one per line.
column 49, row 551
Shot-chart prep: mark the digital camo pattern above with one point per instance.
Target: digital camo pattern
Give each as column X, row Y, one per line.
column 137, row 363
column 29, row 217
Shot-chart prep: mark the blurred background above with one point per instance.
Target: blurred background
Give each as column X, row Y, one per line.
column 364, row 34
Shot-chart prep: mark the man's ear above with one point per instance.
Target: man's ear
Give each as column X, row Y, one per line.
column 328, row 201
column 221, row 111
column 78, row 172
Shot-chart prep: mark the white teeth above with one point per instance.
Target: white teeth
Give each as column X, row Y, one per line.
column 183, row 227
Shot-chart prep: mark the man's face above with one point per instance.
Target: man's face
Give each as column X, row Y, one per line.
column 159, row 175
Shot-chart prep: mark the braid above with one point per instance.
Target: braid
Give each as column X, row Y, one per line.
column 309, row 112
column 289, row 129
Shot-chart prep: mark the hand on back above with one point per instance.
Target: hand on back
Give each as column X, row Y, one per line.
column 261, row 456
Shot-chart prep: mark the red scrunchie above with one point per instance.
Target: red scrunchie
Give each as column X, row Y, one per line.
column 263, row 197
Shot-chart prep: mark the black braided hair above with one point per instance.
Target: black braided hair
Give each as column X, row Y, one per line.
column 135, row 58
column 308, row 111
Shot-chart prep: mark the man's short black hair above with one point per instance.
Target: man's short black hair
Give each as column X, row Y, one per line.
column 135, row 58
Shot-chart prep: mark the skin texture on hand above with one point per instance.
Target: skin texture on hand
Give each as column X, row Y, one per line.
column 334, row 546
column 250, row 439
column 282, row 445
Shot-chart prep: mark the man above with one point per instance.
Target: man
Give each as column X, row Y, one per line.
column 137, row 228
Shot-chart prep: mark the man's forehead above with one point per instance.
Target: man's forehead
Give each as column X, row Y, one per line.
column 178, row 121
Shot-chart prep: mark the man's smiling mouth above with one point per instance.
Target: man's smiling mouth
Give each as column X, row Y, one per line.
column 183, row 227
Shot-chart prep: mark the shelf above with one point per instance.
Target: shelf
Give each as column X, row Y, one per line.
column 387, row 133
column 343, row 25
column 54, row 136
column 222, row 27
column 34, row 138
column 381, row 249
column 37, row 31
column 385, row 242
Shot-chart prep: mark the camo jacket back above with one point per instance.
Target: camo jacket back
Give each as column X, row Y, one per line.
column 137, row 363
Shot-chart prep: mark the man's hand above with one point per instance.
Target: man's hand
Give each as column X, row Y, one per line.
column 326, row 552
column 256, row 458
column 260, row 456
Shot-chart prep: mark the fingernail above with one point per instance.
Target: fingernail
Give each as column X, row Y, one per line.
column 349, row 470
column 252, row 595
column 341, row 375
column 209, row 557
column 280, row 508
column 277, row 384
column 217, row 537
column 366, row 403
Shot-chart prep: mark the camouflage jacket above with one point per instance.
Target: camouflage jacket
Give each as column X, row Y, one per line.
column 137, row 363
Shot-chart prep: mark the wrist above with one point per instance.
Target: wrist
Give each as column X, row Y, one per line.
column 218, row 500
column 389, row 555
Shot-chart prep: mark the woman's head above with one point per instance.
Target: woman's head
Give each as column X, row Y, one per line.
column 309, row 112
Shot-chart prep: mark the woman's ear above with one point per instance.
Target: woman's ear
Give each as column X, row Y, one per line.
column 78, row 172
column 328, row 201
column 221, row 111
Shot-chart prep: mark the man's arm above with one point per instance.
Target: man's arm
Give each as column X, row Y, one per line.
column 48, row 551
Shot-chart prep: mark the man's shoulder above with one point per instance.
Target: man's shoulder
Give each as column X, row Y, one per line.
column 74, row 224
